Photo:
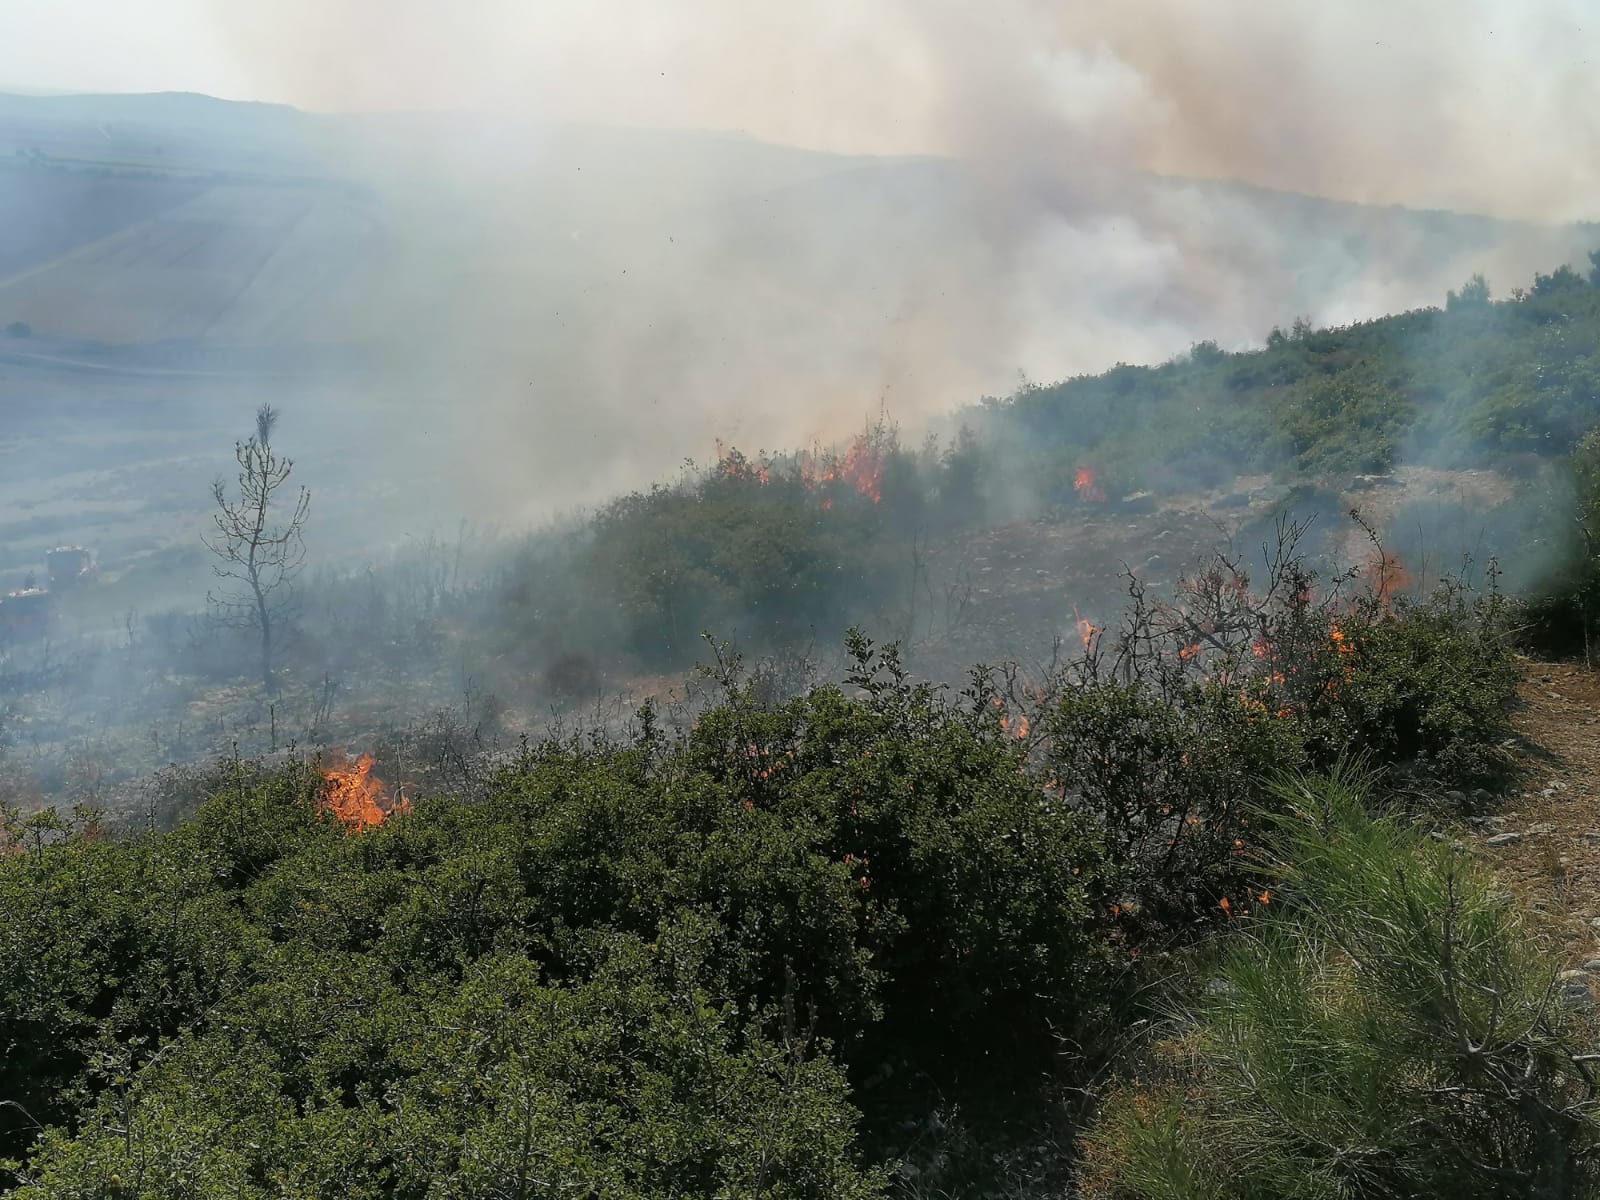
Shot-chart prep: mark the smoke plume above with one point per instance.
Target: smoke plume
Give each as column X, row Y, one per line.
column 977, row 193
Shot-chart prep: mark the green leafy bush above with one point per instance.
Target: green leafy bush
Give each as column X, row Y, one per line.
column 648, row 964
column 330, row 1077
column 1171, row 780
column 1428, row 688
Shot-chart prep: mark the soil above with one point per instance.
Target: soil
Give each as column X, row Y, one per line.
column 1554, row 865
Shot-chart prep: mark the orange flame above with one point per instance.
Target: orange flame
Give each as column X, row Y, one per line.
column 1188, row 652
column 733, row 464
column 1086, row 630
column 1388, row 576
column 1083, row 483
column 1017, row 729
column 357, row 797
column 861, row 468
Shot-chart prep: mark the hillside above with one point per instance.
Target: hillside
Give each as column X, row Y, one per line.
column 610, row 301
column 1141, row 847
column 215, row 190
column 868, row 937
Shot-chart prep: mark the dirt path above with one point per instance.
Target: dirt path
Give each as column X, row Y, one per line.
column 1545, row 839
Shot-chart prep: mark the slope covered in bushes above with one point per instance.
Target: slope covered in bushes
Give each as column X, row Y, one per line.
column 746, row 960
column 782, row 549
column 1477, row 382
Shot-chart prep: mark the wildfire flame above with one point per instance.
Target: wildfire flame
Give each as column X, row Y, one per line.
column 860, row 467
column 1388, row 576
column 733, row 464
column 1086, row 630
column 357, row 797
column 1083, row 483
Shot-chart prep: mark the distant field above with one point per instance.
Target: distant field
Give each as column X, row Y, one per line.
column 123, row 462
column 48, row 213
column 229, row 262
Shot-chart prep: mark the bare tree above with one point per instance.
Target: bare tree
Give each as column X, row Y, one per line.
column 258, row 556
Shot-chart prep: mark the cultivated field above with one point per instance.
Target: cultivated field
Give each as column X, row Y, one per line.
column 234, row 262
column 49, row 213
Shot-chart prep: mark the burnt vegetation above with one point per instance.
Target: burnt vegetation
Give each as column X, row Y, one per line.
column 1169, row 908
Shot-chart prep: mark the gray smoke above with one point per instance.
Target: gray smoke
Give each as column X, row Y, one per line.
column 569, row 282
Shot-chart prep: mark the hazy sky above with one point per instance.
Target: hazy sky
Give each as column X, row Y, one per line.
column 1490, row 104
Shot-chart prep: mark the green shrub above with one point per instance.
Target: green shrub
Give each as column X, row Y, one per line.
column 1428, row 689
column 1170, row 780
column 331, row 1078
column 1387, row 1027
column 686, row 942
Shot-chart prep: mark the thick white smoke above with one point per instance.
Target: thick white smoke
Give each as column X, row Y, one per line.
column 584, row 309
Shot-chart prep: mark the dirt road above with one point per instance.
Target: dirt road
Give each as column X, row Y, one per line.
column 1544, row 841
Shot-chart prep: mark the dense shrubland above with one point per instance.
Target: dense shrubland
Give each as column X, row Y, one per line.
column 1476, row 383
column 783, row 552
column 776, row 550
column 777, row 954
column 786, row 549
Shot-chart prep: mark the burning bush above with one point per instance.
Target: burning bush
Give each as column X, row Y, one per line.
column 1172, row 783
column 1169, row 728
column 778, row 550
column 354, row 796
column 688, row 940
